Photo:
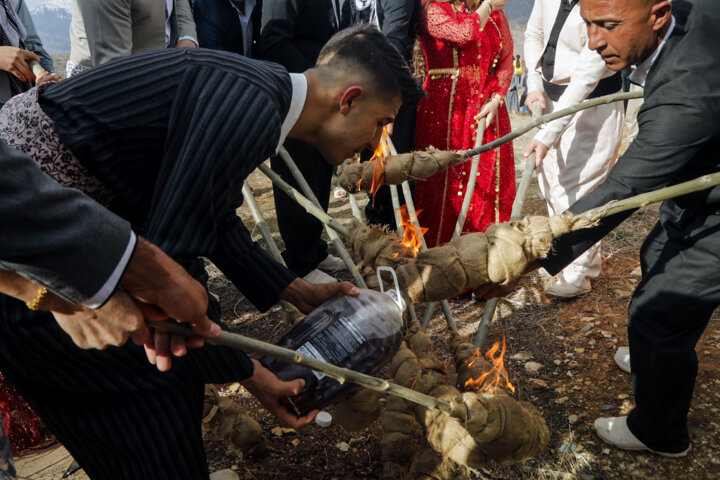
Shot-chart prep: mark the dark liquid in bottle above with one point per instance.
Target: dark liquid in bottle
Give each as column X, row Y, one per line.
column 360, row 333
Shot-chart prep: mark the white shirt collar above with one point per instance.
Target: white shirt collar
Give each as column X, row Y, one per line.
column 297, row 102
column 639, row 75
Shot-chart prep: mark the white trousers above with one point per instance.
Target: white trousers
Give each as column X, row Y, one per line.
column 578, row 162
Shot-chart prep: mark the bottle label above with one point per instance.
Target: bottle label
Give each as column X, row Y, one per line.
column 334, row 344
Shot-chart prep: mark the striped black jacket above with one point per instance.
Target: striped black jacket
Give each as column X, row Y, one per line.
column 174, row 133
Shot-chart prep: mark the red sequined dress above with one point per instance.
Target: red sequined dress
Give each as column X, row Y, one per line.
column 466, row 65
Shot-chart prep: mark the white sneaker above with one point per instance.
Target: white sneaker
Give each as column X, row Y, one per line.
column 226, row 474
column 622, row 359
column 614, row 430
column 332, row 264
column 318, row 277
column 561, row 289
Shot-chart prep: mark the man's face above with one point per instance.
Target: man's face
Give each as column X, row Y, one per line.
column 624, row 32
column 358, row 127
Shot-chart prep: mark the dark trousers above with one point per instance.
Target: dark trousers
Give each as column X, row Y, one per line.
column 300, row 231
column 379, row 211
column 669, row 310
column 117, row 415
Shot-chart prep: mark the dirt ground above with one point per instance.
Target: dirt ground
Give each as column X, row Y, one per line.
column 573, row 341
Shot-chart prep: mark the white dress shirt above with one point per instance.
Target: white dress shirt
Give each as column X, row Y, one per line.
column 297, row 102
column 639, row 75
column 245, row 24
column 576, row 65
column 111, row 284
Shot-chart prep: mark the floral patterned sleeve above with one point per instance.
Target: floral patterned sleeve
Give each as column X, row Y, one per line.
column 504, row 68
column 443, row 23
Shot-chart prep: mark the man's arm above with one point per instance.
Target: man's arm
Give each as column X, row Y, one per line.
column 396, row 23
column 209, row 33
column 534, row 47
column 32, row 39
column 108, row 29
column 279, row 21
column 185, row 23
column 674, row 129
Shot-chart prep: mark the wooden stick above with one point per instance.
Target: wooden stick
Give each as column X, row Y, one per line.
column 303, row 201
column 491, row 305
column 413, row 217
column 617, row 97
column 339, row 246
column 340, row 374
column 354, row 206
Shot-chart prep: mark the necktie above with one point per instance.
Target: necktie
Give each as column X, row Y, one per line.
column 548, row 58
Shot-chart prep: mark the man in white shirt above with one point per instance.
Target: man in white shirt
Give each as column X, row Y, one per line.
column 575, row 153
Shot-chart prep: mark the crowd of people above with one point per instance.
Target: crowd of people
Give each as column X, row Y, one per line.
column 120, row 179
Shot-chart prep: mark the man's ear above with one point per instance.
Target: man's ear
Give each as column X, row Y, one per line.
column 349, row 98
column 661, row 11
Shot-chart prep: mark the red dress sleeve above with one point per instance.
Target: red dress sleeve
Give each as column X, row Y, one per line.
column 504, row 68
column 456, row 27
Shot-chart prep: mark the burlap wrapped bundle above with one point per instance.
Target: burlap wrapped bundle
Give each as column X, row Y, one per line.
column 398, row 168
column 375, row 246
column 224, row 418
column 358, row 410
column 480, row 428
column 498, row 256
column 468, row 364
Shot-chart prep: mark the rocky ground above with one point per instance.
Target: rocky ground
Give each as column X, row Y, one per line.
column 559, row 358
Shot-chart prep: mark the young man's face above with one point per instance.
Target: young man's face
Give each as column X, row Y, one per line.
column 357, row 126
column 623, row 32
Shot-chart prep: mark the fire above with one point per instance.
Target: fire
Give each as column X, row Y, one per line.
column 492, row 379
column 379, row 169
column 412, row 235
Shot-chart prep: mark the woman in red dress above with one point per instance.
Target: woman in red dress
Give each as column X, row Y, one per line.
column 468, row 57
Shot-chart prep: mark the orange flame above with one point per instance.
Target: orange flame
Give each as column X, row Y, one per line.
column 379, row 168
column 412, row 235
column 491, row 380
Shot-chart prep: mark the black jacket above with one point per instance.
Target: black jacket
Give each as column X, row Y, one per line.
column 218, row 26
column 679, row 137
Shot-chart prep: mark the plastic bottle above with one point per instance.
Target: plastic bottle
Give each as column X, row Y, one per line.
column 360, row 333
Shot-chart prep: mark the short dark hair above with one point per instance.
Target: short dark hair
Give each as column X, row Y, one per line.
column 365, row 49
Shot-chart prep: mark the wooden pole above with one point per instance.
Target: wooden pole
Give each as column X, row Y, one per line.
column 520, row 196
column 340, row 374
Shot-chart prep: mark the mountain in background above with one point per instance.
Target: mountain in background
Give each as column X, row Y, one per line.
column 52, row 21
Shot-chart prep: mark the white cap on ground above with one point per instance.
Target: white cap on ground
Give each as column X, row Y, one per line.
column 324, row 419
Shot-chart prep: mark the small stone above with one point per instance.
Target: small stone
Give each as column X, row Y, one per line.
column 606, row 408
column 591, row 342
column 623, row 396
column 295, row 442
column 606, row 334
column 342, row 446
column 573, row 364
column 533, row 367
column 521, row 357
column 572, row 418
column 557, row 362
column 579, row 350
column 568, row 447
column 700, row 406
column 606, row 451
column 280, row 431
column 561, row 400
column 537, row 384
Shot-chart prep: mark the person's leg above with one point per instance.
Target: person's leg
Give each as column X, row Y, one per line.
column 579, row 162
column 300, row 231
column 668, row 313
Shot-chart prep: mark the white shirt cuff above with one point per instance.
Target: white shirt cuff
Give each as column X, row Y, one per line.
column 189, row 37
column 107, row 290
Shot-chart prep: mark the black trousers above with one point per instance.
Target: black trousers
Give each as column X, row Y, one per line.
column 300, row 231
column 117, row 415
column 669, row 310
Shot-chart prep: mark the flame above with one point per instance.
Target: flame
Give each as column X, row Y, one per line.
column 412, row 235
column 491, row 380
column 379, row 168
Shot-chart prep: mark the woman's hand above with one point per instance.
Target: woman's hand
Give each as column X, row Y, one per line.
column 489, row 111
column 13, row 60
column 47, row 77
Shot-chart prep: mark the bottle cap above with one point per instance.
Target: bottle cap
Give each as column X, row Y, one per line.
column 324, row 419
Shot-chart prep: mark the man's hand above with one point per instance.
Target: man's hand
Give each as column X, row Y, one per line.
column 269, row 390
column 186, row 43
column 47, row 77
column 154, row 279
column 13, row 60
column 535, row 96
column 110, row 325
column 307, row 296
column 540, row 150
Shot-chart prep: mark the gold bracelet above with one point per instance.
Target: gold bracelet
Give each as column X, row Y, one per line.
column 35, row 303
